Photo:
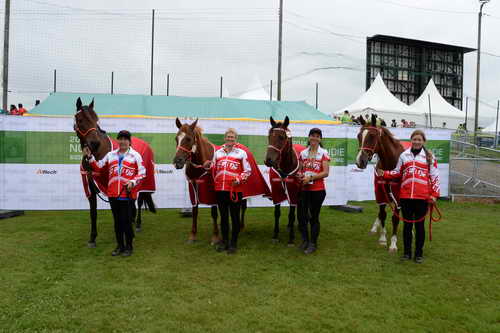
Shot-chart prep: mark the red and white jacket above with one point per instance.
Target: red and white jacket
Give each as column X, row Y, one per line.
column 313, row 166
column 132, row 169
column 227, row 167
column 416, row 180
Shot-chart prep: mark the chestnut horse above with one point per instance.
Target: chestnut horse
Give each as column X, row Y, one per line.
column 282, row 157
column 92, row 136
column 193, row 149
column 379, row 140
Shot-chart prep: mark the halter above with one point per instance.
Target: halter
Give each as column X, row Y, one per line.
column 372, row 149
column 83, row 134
column 280, row 151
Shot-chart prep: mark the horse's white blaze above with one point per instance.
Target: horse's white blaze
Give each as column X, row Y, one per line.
column 180, row 137
column 375, row 226
column 394, row 244
column 363, row 137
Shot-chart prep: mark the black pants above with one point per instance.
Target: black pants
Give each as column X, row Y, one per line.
column 309, row 207
column 123, row 214
column 226, row 207
column 413, row 210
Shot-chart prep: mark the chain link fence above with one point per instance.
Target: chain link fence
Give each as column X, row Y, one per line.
column 474, row 170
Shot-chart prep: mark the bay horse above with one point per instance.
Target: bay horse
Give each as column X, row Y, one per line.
column 194, row 149
column 283, row 161
column 379, row 140
column 92, row 136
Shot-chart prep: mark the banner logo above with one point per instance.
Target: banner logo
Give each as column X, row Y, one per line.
column 46, row 172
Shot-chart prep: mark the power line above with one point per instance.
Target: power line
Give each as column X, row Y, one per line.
column 426, row 8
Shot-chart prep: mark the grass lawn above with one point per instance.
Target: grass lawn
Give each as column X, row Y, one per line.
column 51, row 282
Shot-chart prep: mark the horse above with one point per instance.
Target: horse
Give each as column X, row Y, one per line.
column 194, row 149
column 283, row 161
column 92, row 136
column 379, row 140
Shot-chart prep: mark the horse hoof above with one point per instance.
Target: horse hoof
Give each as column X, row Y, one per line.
column 382, row 244
column 291, row 245
column 275, row 240
column 372, row 232
column 393, row 250
column 191, row 241
column 138, row 229
column 91, row 245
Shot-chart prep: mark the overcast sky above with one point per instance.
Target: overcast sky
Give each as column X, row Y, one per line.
column 197, row 41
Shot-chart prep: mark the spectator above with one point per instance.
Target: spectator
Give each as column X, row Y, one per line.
column 21, row 110
column 37, row 102
column 394, row 123
column 13, row 110
column 444, row 125
column 346, row 117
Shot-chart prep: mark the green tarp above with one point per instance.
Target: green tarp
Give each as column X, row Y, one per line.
column 63, row 104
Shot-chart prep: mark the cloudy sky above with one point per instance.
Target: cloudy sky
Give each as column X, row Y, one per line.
column 197, row 41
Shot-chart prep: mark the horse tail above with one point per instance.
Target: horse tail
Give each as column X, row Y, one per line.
column 147, row 199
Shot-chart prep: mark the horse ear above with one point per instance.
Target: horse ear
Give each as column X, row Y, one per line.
column 78, row 104
column 193, row 125
column 178, row 123
column 91, row 105
column 374, row 120
column 286, row 122
column 273, row 123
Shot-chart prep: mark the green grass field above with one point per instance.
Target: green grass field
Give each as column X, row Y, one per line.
column 51, row 282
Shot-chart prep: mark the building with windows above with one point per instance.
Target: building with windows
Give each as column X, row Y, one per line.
column 407, row 65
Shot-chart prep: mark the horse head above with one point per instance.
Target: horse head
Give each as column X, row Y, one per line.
column 186, row 141
column 86, row 125
column 369, row 137
column 278, row 139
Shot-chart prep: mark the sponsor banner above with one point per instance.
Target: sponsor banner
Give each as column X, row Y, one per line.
column 39, row 159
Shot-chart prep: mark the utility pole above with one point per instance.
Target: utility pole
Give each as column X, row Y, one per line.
column 280, row 42
column 478, row 71
column 5, row 80
column 152, row 49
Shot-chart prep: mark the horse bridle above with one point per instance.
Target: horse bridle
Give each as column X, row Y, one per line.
column 280, row 151
column 372, row 149
column 189, row 153
column 83, row 134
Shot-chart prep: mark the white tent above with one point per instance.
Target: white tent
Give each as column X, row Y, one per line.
column 379, row 100
column 440, row 110
column 255, row 91
column 492, row 127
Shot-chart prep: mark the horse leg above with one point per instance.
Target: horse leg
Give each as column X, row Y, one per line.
column 382, row 215
column 136, row 213
column 194, row 226
column 243, row 211
column 93, row 220
column 277, row 215
column 291, row 228
column 376, row 224
column 394, row 238
column 216, row 234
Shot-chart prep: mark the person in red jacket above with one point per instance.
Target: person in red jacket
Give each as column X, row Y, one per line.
column 230, row 168
column 315, row 167
column 418, row 172
column 126, row 170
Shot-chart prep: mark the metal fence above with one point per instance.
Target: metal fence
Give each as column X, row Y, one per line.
column 474, row 170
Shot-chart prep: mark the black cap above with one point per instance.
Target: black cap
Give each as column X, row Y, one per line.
column 124, row 134
column 316, row 131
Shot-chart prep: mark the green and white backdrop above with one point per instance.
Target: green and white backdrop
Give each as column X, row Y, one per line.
column 40, row 156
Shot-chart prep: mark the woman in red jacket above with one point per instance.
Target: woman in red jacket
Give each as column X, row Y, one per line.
column 230, row 168
column 125, row 169
column 419, row 176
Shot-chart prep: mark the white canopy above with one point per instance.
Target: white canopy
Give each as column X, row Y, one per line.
column 379, row 100
column 255, row 91
column 440, row 110
column 492, row 127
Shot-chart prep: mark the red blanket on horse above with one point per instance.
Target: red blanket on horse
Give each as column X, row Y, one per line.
column 148, row 184
column 201, row 190
column 388, row 190
column 286, row 189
